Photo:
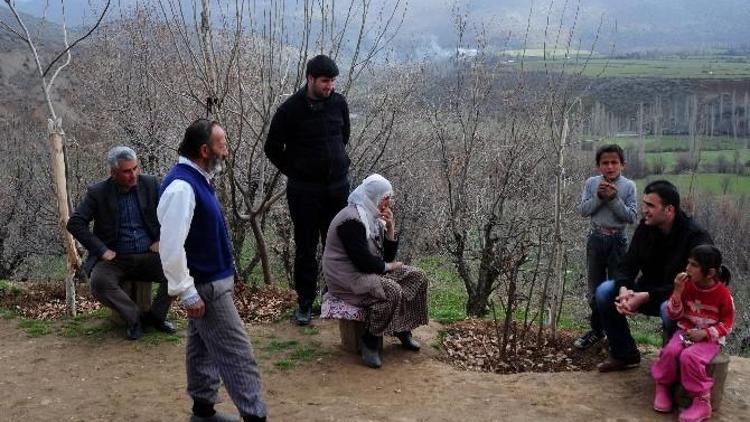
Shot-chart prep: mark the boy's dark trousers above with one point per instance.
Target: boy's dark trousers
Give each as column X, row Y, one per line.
column 311, row 208
column 603, row 253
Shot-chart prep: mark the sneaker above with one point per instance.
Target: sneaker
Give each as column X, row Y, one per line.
column 587, row 340
column 613, row 364
column 663, row 398
column 303, row 316
column 699, row 411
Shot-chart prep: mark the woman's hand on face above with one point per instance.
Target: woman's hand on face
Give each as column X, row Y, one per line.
column 390, row 223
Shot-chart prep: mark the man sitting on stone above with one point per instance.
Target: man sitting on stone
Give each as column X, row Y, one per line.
column 124, row 243
column 658, row 251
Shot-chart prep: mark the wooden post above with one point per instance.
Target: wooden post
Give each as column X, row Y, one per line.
column 140, row 292
column 59, row 181
column 351, row 333
column 717, row 369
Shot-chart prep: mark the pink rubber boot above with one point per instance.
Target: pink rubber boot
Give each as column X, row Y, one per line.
column 699, row 411
column 663, row 398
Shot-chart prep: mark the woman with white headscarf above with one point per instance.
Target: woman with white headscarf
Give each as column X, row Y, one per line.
column 360, row 269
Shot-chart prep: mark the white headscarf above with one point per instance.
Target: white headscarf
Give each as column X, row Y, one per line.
column 366, row 197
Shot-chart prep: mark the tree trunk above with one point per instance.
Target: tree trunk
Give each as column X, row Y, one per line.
column 558, row 226
column 72, row 261
column 261, row 249
column 477, row 304
column 641, row 136
column 734, row 115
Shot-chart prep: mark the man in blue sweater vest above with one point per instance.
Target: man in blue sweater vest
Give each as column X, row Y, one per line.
column 196, row 255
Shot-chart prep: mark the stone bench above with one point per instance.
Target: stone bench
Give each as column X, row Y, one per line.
column 351, row 321
column 717, row 369
column 140, row 292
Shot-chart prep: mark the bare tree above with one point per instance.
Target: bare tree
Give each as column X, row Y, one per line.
column 47, row 76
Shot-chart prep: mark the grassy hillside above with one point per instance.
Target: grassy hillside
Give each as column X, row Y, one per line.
column 731, row 184
column 698, row 67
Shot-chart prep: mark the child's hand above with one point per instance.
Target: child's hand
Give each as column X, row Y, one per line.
column 680, row 280
column 606, row 190
column 696, row 334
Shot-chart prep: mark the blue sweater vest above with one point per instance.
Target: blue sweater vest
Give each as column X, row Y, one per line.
column 209, row 252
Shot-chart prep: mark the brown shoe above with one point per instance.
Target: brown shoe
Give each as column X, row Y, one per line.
column 613, row 364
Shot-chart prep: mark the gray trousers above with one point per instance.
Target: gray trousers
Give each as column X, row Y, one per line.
column 218, row 346
column 107, row 277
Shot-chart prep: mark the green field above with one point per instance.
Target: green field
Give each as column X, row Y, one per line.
column 668, row 150
column 705, row 67
column 705, row 182
column 707, row 158
column 682, row 143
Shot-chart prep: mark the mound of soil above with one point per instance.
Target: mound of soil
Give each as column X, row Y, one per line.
column 476, row 345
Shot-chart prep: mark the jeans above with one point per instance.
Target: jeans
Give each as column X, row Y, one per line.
column 311, row 210
column 603, row 253
column 621, row 342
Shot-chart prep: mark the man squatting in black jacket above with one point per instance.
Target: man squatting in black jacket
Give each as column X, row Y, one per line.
column 307, row 142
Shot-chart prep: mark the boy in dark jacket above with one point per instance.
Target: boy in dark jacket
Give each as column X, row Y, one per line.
column 307, row 142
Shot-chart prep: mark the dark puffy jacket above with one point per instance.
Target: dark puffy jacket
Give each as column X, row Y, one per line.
column 659, row 257
column 307, row 139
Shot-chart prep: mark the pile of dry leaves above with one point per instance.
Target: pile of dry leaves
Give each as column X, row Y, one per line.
column 263, row 304
column 474, row 345
column 46, row 300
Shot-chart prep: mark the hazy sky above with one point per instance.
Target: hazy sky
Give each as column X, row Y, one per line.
column 641, row 24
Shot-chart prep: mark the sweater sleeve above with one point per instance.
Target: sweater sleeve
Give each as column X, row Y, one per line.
column 726, row 317
column 624, row 205
column 354, row 238
column 675, row 309
column 390, row 248
column 590, row 202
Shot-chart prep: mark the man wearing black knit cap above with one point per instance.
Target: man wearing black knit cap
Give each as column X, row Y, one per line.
column 307, row 142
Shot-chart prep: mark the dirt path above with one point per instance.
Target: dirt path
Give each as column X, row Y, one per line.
column 75, row 379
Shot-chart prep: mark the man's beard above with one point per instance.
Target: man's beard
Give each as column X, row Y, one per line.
column 215, row 166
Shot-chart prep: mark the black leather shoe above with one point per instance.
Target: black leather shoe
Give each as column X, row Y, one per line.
column 165, row 326
column 303, row 316
column 135, row 331
column 408, row 342
column 371, row 357
column 253, row 418
column 613, row 364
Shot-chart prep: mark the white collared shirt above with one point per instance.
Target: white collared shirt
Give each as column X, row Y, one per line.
column 175, row 213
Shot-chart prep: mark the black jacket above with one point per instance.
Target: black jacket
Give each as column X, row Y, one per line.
column 100, row 205
column 307, row 139
column 659, row 257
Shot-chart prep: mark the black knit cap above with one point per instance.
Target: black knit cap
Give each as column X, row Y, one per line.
column 322, row 65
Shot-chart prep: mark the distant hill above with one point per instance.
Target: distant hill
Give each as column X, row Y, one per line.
column 20, row 87
column 665, row 25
